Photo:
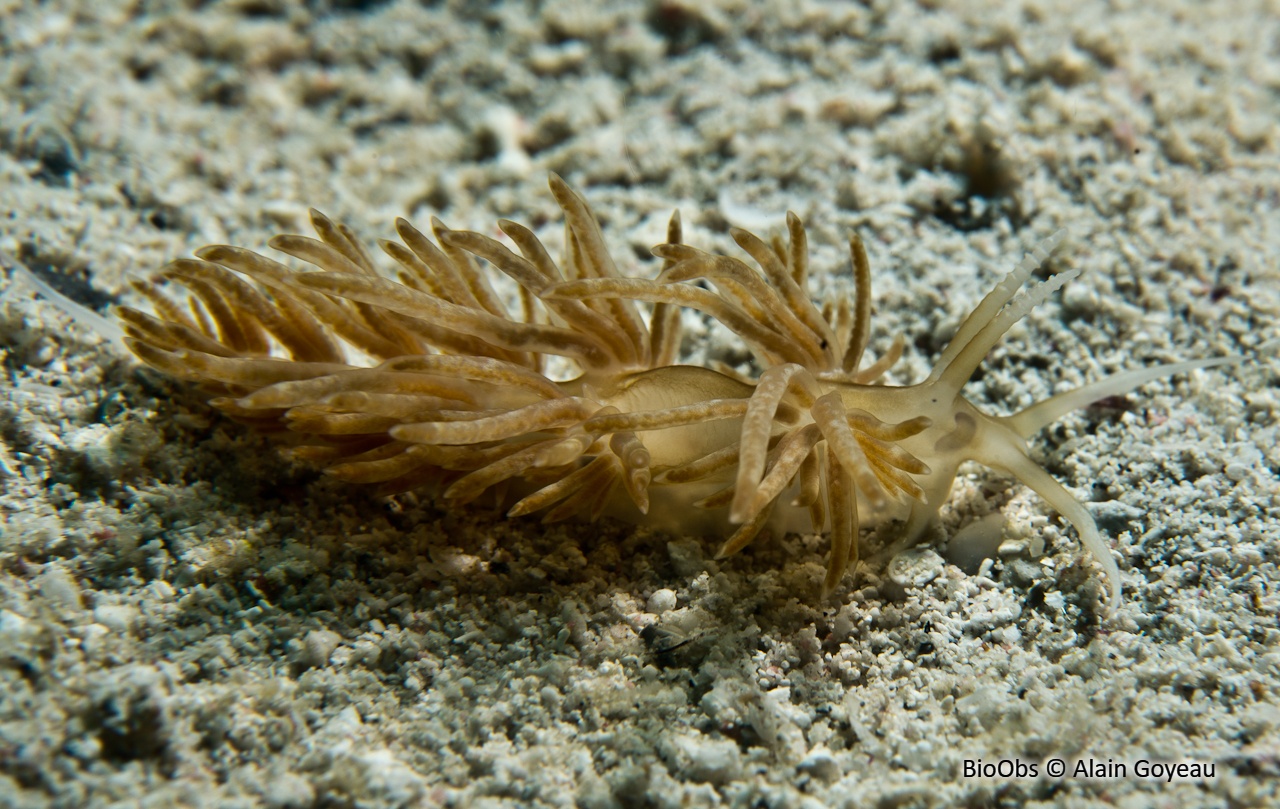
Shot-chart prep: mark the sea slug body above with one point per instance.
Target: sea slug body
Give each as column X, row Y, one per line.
column 429, row 381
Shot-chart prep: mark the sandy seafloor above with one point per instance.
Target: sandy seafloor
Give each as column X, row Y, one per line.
column 188, row 620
